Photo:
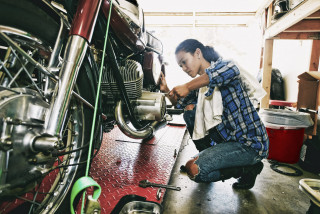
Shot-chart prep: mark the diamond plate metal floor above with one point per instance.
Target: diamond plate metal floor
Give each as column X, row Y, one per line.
column 122, row 162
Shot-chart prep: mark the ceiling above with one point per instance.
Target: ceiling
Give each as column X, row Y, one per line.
column 200, row 13
column 200, row 5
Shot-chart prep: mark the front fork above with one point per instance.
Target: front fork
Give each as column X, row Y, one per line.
column 80, row 35
column 74, row 54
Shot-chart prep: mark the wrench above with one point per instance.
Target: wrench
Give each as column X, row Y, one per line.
column 146, row 183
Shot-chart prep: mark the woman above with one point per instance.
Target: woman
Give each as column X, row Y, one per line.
column 236, row 145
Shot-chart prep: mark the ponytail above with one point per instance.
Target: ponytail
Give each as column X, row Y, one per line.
column 190, row 46
column 210, row 54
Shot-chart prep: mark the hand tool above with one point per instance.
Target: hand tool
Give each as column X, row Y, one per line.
column 146, row 183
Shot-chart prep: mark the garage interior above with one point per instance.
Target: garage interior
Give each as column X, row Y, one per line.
column 273, row 192
column 247, row 32
column 260, row 39
column 261, row 36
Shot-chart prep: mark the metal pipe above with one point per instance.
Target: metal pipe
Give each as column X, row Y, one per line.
column 57, row 47
column 84, row 101
column 137, row 134
column 54, row 60
column 74, row 55
column 4, row 166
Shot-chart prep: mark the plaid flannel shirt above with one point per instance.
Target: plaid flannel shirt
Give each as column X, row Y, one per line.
column 240, row 120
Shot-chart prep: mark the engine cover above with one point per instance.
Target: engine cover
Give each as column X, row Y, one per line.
column 150, row 106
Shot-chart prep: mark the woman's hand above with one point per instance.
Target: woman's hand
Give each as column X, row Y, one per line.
column 165, row 89
column 180, row 91
column 163, row 84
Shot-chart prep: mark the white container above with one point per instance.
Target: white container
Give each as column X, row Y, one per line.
column 286, row 117
column 312, row 188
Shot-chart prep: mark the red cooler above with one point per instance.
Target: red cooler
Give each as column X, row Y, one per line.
column 285, row 143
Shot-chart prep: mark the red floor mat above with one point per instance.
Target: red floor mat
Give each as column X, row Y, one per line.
column 122, row 162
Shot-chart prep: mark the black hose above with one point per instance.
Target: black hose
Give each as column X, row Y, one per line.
column 275, row 167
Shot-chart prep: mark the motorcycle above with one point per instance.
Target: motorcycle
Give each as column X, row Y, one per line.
column 50, row 55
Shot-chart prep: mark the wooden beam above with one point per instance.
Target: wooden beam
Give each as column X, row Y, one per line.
column 315, row 15
column 261, row 59
column 269, row 15
column 168, row 13
column 169, row 25
column 315, row 55
column 297, row 35
column 220, row 25
column 310, row 25
column 225, row 13
column 305, row 9
column 267, row 69
column 199, row 13
column 196, row 25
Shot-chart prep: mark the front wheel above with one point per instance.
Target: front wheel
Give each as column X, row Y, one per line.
column 37, row 180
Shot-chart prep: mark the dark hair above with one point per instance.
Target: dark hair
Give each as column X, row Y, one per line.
column 190, row 45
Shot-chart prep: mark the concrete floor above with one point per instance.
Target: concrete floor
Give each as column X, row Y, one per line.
column 272, row 193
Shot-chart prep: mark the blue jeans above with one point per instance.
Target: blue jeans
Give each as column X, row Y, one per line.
column 220, row 156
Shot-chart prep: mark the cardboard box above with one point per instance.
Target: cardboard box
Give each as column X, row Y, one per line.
column 309, row 96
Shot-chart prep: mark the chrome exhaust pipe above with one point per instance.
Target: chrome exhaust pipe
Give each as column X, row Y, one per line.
column 130, row 132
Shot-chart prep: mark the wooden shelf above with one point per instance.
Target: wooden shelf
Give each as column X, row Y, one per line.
column 303, row 18
column 302, row 22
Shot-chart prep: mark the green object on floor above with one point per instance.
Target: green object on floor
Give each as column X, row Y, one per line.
column 80, row 185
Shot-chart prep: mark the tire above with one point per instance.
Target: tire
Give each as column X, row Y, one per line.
column 27, row 16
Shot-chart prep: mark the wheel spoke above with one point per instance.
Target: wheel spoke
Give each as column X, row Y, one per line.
column 28, row 74
column 34, row 198
column 27, row 200
column 19, row 72
column 6, row 70
column 29, row 58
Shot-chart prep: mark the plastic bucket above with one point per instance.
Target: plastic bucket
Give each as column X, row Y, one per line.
column 285, row 143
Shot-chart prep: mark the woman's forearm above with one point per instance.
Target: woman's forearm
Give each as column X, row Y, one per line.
column 183, row 90
column 198, row 82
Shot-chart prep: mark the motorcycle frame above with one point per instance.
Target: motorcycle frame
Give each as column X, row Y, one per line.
column 79, row 38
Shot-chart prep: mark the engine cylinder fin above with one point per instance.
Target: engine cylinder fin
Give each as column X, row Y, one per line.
column 132, row 74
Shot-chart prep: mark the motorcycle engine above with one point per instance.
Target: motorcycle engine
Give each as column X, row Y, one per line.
column 132, row 75
column 147, row 105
